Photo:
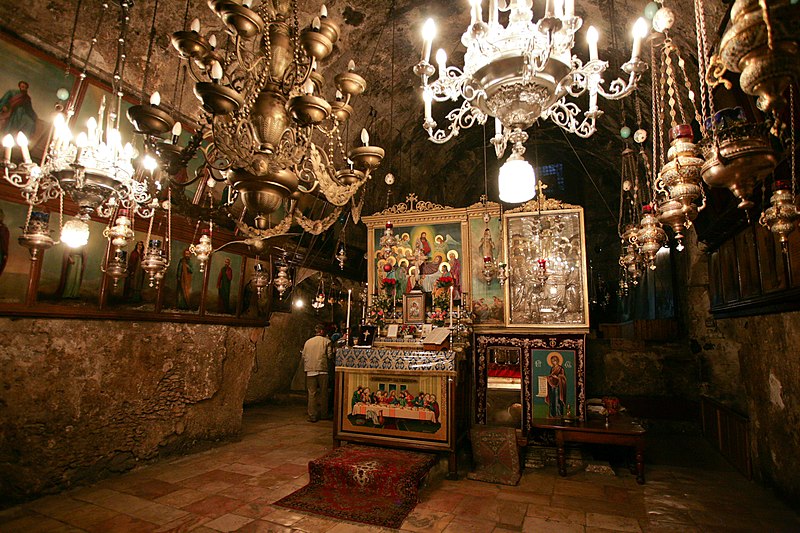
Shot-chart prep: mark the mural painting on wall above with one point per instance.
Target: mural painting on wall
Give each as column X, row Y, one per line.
column 554, row 383
column 427, row 257
column 224, row 282
column 30, row 89
column 488, row 298
column 394, row 405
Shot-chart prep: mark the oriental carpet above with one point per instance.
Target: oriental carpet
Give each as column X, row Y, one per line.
column 371, row 485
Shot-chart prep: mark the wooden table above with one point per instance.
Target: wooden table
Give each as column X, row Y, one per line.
column 620, row 431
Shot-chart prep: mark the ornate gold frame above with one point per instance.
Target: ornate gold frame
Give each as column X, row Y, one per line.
column 547, row 207
column 415, row 212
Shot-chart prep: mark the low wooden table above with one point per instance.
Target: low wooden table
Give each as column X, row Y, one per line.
column 620, row 431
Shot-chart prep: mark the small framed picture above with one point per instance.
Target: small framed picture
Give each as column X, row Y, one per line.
column 414, row 308
column 391, row 331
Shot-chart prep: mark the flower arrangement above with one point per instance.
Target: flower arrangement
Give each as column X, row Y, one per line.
column 376, row 316
column 437, row 317
column 444, row 281
column 408, row 329
column 441, row 300
column 389, row 282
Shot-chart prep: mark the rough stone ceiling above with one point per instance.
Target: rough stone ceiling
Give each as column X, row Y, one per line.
column 450, row 174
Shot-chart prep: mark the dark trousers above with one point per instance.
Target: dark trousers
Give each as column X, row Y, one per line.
column 317, row 387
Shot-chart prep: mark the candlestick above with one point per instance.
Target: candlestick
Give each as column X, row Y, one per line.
column 451, row 307
column 349, row 294
column 427, row 97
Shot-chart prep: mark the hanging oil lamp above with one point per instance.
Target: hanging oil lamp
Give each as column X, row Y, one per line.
column 154, row 261
column 116, row 268
column 203, row 249
column 121, row 233
column 282, row 280
column 36, row 234
column 341, row 255
column 260, row 279
column 650, row 237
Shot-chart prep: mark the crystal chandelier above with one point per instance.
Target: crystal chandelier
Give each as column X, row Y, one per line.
column 93, row 167
column 272, row 132
column 521, row 73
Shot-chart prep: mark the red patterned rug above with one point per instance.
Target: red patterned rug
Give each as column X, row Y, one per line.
column 376, row 486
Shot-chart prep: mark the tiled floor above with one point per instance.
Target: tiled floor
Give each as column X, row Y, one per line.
column 232, row 487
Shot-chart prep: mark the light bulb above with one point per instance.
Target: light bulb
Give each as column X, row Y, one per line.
column 149, row 163
column 82, row 140
column 75, row 233
column 212, row 41
column 155, row 99
column 517, row 180
column 351, row 66
column 8, row 141
column 298, row 303
column 315, row 24
column 177, row 129
column 640, row 28
column 195, row 26
column 365, row 136
column 216, row 71
column 323, row 11
column 592, row 36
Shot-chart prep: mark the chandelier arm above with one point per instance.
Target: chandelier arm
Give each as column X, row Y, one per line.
column 22, row 176
column 281, row 228
column 619, row 88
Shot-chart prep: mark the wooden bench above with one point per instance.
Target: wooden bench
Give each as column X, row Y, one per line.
column 620, row 431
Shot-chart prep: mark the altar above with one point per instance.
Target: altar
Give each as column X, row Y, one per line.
column 398, row 397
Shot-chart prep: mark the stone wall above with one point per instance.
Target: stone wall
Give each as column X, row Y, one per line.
column 752, row 364
column 81, row 399
column 278, row 355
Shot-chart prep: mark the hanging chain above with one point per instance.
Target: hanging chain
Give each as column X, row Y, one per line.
column 149, row 52
column 672, row 80
column 169, row 223
column 68, row 61
column 765, row 16
column 702, row 50
column 655, row 126
column 119, row 67
column 792, row 120
column 82, row 79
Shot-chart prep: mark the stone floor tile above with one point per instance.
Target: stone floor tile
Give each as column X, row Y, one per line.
column 150, row 489
column 535, row 524
column 228, row 522
column 31, row 522
column 88, row 515
column 615, row 522
column 181, row 497
column 557, row 514
column 123, row 523
column 262, row 526
column 213, row 506
column 425, row 520
column 470, row 526
column 158, row 513
column 315, row 524
column 284, row 517
column 187, row 522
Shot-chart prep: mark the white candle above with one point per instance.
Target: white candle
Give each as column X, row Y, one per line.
column 8, row 144
column 441, row 60
column 195, row 25
column 592, row 36
column 498, row 127
column 22, row 141
column 428, row 33
column 593, row 94
column 365, row 136
column 639, row 33
column 451, row 306
column 558, row 10
column 569, row 8
column 548, row 8
column 349, row 293
column 155, row 99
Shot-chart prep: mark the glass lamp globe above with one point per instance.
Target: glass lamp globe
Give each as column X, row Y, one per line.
column 75, row 233
column 517, row 180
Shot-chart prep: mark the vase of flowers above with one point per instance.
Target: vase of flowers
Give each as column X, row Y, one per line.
column 389, row 285
column 437, row 317
column 408, row 330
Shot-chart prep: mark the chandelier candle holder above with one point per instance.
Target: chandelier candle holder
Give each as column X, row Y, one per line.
column 521, row 73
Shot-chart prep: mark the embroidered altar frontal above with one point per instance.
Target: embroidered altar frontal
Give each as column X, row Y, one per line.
column 396, row 360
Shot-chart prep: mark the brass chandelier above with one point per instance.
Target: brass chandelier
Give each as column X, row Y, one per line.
column 269, row 130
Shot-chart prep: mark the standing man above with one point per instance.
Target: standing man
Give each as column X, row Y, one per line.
column 316, row 352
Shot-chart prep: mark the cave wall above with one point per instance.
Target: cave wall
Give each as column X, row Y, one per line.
column 752, row 364
column 278, row 355
column 81, row 399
